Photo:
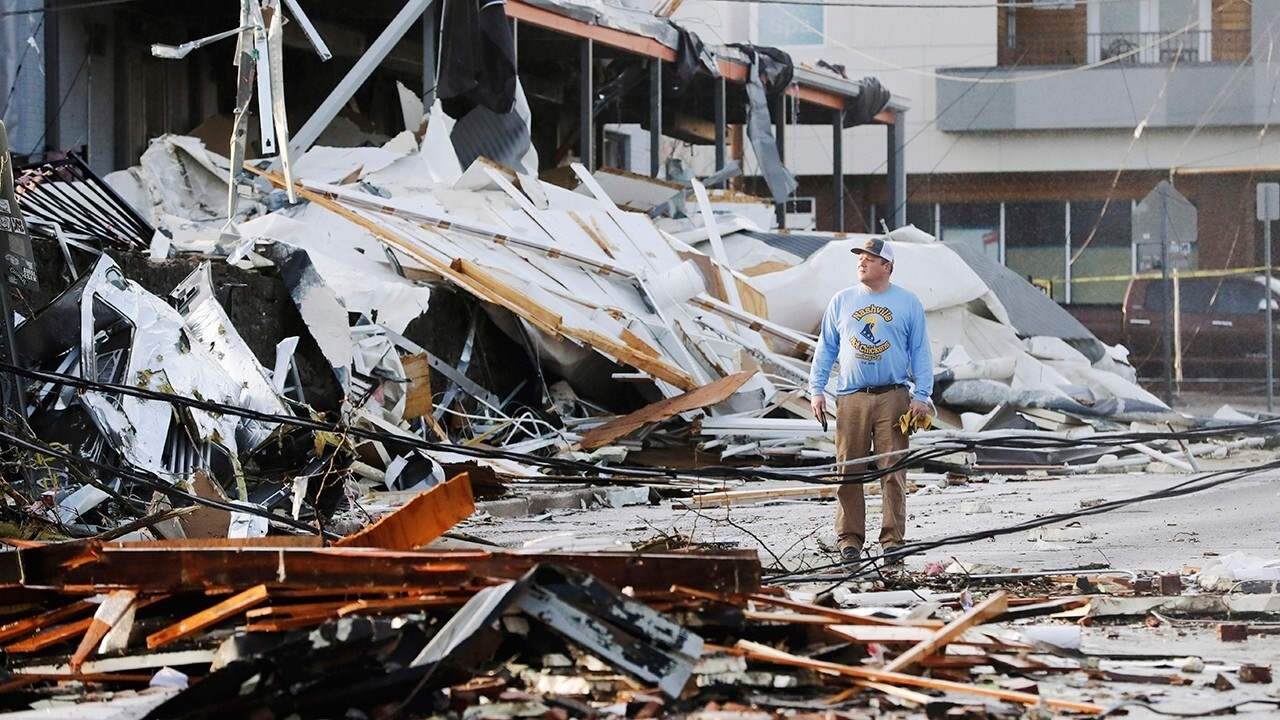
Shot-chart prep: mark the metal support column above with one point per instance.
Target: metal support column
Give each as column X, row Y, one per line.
column 328, row 110
column 780, row 138
column 586, row 106
column 837, row 170
column 655, row 117
column 430, row 31
column 720, row 123
column 896, row 173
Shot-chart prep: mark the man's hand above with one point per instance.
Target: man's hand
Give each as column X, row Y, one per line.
column 919, row 408
column 819, row 405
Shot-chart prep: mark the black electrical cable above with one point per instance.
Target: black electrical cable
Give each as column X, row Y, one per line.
column 1187, row 487
column 911, row 458
column 159, row 485
column 1154, row 707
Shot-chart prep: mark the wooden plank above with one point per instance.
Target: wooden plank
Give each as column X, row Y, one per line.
column 764, row 653
column 50, row 636
column 165, row 570
column 109, row 613
column 733, row 497
column 417, row 394
column 993, row 606
column 899, row 635
column 423, row 519
column 840, row 616
column 232, row 606
column 509, row 297
column 663, row 409
column 53, row 636
column 26, row 626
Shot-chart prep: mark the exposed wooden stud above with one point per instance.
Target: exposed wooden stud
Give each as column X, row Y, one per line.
column 230, row 607
column 993, row 606
column 764, row 653
column 115, row 607
column 663, row 409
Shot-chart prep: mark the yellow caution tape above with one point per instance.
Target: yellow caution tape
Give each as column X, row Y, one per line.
column 1159, row 275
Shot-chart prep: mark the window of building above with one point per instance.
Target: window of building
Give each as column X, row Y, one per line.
column 1150, row 31
column 974, row 224
column 784, row 24
column 1035, row 242
column 1101, row 246
column 919, row 214
column 617, row 150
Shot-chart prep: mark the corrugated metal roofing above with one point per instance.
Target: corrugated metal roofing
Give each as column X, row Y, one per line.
column 802, row 246
column 1030, row 310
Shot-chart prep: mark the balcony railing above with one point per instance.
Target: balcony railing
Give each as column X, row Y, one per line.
column 1130, row 48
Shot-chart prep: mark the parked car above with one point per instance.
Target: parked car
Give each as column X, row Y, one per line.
column 1220, row 324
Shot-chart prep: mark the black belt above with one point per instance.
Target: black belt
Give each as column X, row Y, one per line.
column 880, row 389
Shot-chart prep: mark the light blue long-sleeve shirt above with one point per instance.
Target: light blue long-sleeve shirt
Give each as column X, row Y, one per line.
column 879, row 339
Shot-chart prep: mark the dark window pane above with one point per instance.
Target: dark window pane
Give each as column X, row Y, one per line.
column 1239, row 297
column 974, row 224
column 918, row 214
column 1035, row 224
column 1112, row 229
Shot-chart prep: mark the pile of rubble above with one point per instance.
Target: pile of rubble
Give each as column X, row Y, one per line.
column 372, row 628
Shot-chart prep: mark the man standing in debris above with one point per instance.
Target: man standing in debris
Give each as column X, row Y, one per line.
column 877, row 331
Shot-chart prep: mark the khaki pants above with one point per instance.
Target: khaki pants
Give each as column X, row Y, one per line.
column 864, row 422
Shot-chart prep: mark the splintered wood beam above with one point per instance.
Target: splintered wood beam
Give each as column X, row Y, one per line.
column 663, row 409
column 509, row 297
column 26, row 626
column 764, row 653
column 983, row 611
column 108, row 614
column 232, row 606
column 423, row 519
column 52, row 636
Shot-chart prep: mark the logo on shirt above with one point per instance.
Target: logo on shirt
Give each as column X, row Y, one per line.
column 866, row 342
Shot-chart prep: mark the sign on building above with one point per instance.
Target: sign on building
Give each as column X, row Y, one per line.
column 19, row 259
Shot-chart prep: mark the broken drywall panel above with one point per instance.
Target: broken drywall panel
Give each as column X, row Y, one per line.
column 411, row 107
column 638, row 193
column 350, row 261
column 177, row 175
column 437, row 147
column 339, row 166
